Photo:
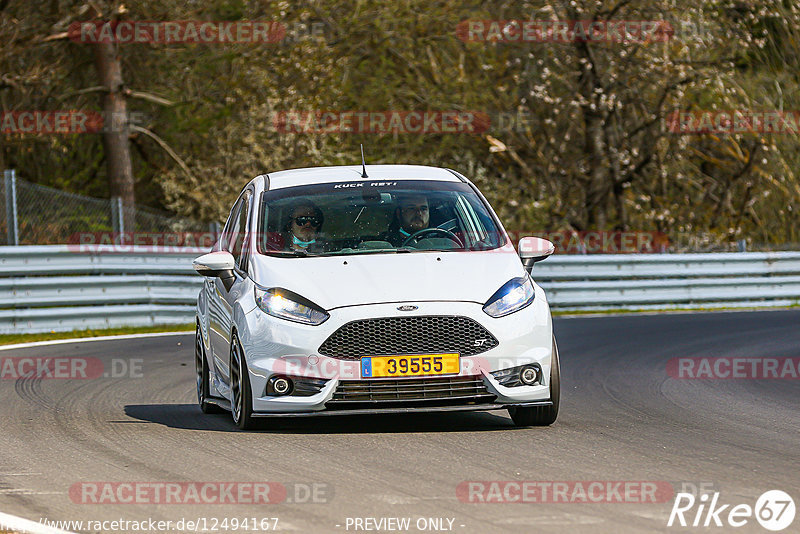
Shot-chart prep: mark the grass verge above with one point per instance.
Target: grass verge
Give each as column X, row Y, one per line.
column 619, row 311
column 8, row 339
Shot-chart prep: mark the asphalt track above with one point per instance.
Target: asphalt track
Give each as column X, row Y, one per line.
column 623, row 418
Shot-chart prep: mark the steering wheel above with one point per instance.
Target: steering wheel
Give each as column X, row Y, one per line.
column 447, row 233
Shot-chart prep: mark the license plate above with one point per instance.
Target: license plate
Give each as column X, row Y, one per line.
column 410, row 365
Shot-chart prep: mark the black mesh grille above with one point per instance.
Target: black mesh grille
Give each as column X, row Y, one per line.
column 408, row 335
column 352, row 394
column 306, row 387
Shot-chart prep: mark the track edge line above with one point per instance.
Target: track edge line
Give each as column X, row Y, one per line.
column 20, row 524
column 87, row 339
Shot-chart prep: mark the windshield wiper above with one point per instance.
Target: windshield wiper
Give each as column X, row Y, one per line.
column 365, row 251
column 415, row 250
column 361, row 252
column 294, row 253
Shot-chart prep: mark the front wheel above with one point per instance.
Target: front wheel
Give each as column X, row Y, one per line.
column 542, row 415
column 241, row 397
column 202, row 377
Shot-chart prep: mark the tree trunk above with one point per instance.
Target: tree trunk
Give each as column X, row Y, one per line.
column 115, row 129
column 597, row 188
column 596, row 179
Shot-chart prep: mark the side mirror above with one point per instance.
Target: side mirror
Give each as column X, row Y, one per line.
column 215, row 264
column 533, row 249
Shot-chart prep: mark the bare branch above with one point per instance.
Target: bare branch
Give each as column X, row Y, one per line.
column 93, row 89
column 163, row 144
column 149, row 97
column 499, row 146
column 56, row 37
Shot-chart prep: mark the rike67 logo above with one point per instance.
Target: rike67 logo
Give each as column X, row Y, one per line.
column 774, row 510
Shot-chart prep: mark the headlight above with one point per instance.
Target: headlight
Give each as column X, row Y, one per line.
column 290, row 306
column 515, row 294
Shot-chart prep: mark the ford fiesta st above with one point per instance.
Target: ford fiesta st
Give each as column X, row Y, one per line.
column 376, row 289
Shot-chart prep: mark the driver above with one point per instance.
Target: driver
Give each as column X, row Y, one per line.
column 410, row 216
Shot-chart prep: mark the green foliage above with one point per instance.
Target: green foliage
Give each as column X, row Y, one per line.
column 590, row 151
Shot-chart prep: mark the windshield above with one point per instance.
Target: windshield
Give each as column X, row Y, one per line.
column 375, row 217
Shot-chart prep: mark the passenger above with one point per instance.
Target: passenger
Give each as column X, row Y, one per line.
column 303, row 226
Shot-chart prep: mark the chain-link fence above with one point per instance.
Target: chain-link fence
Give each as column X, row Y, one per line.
column 32, row 214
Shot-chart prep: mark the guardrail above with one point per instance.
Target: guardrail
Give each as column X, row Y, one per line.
column 670, row 281
column 60, row 287
column 65, row 287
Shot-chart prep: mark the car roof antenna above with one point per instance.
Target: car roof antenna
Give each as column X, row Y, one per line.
column 363, row 164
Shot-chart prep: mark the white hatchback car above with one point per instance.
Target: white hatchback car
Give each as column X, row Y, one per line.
column 378, row 289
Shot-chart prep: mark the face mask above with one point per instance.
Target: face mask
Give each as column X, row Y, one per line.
column 300, row 243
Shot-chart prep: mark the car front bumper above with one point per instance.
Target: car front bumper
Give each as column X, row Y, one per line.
column 277, row 347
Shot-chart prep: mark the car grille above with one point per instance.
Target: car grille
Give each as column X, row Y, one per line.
column 408, row 335
column 385, row 393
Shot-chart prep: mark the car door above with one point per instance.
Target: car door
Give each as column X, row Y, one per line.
column 216, row 333
column 226, row 295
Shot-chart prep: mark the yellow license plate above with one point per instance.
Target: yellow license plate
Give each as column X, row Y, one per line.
column 410, row 365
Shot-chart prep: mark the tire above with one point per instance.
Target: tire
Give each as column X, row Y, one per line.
column 241, row 396
column 542, row 415
column 202, row 377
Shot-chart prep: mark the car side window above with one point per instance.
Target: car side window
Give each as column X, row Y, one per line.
column 239, row 250
column 232, row 228
column 222, row 242
column 466, row 219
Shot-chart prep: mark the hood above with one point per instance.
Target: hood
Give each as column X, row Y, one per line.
column 337, row 281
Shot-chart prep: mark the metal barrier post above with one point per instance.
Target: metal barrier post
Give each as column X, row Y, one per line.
column 118, row 219
column 10, row 179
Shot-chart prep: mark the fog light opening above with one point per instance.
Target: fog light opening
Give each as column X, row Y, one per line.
column 529, row 375
column 279, row 386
